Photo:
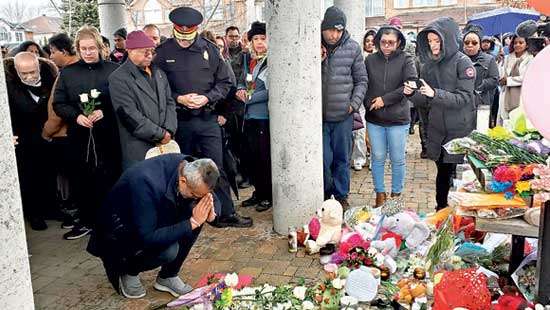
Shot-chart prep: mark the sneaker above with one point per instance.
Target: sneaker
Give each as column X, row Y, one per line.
column 131, row 287
column 77, row 232
column 250, row 202
column 244, row 184
column 68, row 223
column 174, row 286
column 264, row 205
column 38, row 223
column 357, row 167
column 233, row 220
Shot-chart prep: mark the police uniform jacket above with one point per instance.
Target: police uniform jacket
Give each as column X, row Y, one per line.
column 196, row 69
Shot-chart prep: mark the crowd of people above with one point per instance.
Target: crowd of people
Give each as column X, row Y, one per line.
column 85, row 118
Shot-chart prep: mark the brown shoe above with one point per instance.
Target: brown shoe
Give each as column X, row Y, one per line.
column 380, row 199
column 345, row 204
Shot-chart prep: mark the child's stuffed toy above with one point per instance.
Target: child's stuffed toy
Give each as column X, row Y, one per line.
column 411, row 231
column 331, row 218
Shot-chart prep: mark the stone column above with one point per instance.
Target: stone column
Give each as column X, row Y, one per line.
column 355, row 13
column 295, row 113
column 112, row 16
column 15, row 275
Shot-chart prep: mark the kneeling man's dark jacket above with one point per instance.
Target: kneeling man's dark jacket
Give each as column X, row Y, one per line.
column 143, row 211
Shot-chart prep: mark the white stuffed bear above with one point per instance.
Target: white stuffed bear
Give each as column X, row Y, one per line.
column 413, row 232
column 331, row 218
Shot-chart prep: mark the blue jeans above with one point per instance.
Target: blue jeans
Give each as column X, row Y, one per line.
column 392, row 139
column 337, row 142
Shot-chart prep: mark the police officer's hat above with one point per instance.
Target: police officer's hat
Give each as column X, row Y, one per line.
column 185, row 16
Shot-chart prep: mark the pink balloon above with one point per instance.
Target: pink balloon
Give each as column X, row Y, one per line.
column 535, row 92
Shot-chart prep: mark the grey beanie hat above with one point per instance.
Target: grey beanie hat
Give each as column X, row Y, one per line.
column 334, row 19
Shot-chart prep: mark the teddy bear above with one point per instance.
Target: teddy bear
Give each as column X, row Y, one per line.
column 410, row 230
column 330, row 218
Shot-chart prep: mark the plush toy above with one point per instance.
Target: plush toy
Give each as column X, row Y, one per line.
column 331, row 218
column 412, row 232
column 410, row 289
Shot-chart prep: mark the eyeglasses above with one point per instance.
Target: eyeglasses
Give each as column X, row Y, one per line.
column 474, row 43
column 388, row 43
column 91, row 49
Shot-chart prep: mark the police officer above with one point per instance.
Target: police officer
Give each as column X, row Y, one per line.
column 199, row 79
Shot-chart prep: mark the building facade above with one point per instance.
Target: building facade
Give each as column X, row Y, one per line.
column 218, row 14
column 12, row 34
column 416, row 14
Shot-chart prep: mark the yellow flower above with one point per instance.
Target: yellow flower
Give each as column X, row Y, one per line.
column 499, row 133
column 523, row 186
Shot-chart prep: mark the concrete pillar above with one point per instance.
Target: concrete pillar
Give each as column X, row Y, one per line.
column 15, row 275
column 293, row 29
column 355, row 13
column 112, row 16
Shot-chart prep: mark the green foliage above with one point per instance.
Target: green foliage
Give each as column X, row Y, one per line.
column 77, row 13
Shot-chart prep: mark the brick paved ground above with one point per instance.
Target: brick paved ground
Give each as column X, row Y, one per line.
column 64, row 276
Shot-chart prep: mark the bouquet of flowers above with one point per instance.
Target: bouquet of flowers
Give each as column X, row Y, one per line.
column 513, row 179
column 88, row 104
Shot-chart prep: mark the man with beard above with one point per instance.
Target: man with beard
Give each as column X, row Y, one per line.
column 29, row 83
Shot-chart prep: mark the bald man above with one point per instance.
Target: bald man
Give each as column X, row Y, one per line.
column 29, row 81
column 153, row 32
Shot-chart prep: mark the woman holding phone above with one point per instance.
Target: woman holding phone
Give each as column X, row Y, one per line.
column 447, row 88
column 388, row 116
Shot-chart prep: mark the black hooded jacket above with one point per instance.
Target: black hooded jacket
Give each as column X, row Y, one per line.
column 387, row 76
column 452, row 76
column 27, row 115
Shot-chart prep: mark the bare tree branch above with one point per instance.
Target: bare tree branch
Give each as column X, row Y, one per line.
column 14, row 11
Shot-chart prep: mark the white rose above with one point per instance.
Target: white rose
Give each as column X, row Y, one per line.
column 308, row 305
column 94, row 93
column 231, row 279
column 299, row 292
column 372, row 251
column 83, row 97
column 338, row 283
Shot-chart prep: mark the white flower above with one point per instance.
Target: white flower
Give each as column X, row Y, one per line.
column 286, row 306
column 308, row 305
column 83, row 97
column 94, row 93
column 338, row 283
column 299, row 292
column 231, row 279
column 372, row 251
column 348, row 301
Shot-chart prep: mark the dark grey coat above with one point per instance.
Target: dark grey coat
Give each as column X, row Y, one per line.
column 486, row 77
column 143, row 113
column 344, row 80
column 386, row 78
column 452, row 76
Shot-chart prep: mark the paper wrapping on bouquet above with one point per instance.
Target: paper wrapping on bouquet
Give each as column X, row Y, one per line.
column 168, row 148
column 465, row 288
column 525, row 279
column 481, row 200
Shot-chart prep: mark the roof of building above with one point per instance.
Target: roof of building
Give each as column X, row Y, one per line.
column 44, row 24
column 13, row 26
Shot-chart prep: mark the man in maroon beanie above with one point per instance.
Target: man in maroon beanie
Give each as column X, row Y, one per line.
column 143, row 102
